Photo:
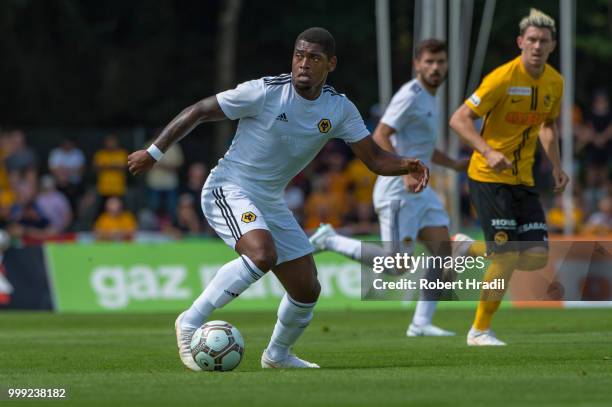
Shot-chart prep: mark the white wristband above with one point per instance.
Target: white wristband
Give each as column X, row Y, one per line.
column 155, row 152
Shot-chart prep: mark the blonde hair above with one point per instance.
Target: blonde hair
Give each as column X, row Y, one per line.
column 536, row 18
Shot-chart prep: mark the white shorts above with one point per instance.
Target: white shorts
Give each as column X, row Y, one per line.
column 232, row 212
column 401, row 220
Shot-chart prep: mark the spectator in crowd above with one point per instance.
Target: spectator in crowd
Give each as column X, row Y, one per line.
column 188, row 221
column 26, row 218
column 67, row 165
column 196, row 176
column 598, row 134
column 21, row 162
column 321, row 205
column 361, row 184
column 556, row 215
column 115, row 223
column 7, row 197
column 163, row 182
column 600, row 222
column 54, row 205
column 110, row 163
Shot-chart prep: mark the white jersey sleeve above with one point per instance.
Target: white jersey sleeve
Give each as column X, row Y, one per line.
column 246, row 100
column 400, row 111
column 352, row 129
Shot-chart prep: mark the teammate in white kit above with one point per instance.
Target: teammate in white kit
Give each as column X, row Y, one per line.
column 409, row 127
column 284, row 122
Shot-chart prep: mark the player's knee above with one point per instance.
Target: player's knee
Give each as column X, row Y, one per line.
column 263, row 254
column 531, row 260
column 309, row 293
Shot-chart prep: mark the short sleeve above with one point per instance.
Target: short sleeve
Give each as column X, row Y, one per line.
column 352, row 129
column 490, row 91
column 246, row 100
column 400, row 112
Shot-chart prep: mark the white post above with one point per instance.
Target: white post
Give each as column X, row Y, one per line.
column 383, row 44
column 455, row 97
column 481, row 45
column 567, row 28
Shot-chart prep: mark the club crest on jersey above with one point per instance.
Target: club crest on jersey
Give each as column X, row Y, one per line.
column 547, row 101
column 324, row 125
column 248, row 217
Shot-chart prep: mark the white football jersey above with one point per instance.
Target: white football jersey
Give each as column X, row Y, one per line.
column 413, row 113
column 280, row 132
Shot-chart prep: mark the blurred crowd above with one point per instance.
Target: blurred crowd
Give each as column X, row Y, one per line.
column 68, row 193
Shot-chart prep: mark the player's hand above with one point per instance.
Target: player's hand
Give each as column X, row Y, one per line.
column 140, row 161
column 561, row 179
column 497, row 160
column 461, row 165
column 418, row 176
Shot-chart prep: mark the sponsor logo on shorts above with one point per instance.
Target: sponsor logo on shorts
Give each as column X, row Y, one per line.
column 532, row 226
column 248, row 217
column 501, row 238
column 474, row 99
column 324, row 125
column 504, row 223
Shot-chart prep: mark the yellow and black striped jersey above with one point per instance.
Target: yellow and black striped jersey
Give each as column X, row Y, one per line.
column 514, row 106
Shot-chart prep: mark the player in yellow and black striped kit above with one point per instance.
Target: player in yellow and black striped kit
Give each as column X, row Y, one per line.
column 519, row 103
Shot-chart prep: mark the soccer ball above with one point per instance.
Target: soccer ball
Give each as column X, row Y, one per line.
column 217, row 345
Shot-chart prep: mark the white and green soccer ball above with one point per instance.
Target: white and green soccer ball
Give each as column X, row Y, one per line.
column 218, row 346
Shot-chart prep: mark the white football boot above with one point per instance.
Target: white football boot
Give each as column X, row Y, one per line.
column 461, row 244
column 290, row 362
column 427, row 330
column 183, row 341
column 476, row 337
column 318, row 238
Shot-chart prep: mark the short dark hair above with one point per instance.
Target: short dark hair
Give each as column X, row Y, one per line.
column 321, row 36
column 432, row 45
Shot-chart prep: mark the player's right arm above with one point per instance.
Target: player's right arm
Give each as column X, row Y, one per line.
column 462, row 122
column 205, row 110
column 481, row 102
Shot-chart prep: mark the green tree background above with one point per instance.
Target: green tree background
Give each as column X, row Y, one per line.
column 137, row 62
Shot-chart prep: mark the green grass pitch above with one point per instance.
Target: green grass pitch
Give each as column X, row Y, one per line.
column 554, row 358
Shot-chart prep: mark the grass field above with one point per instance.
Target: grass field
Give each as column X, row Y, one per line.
column 555, row 358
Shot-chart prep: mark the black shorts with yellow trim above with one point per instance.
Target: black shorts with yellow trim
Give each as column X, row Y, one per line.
column 511, row 216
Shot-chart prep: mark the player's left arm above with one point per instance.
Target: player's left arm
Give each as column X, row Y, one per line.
column 549, row 137
column 383, row 162
column 441, row 158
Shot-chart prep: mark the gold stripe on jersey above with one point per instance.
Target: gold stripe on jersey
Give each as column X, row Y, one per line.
column 514, row 106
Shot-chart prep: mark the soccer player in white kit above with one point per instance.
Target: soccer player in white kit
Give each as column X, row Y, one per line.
column 283, row 123
column 409, row 127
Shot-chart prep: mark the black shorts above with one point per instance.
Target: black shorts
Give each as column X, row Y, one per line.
column 511, row 216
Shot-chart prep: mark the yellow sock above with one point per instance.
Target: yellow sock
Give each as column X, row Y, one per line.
column 484, row 314
column 501, row 266
column 478, row 248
